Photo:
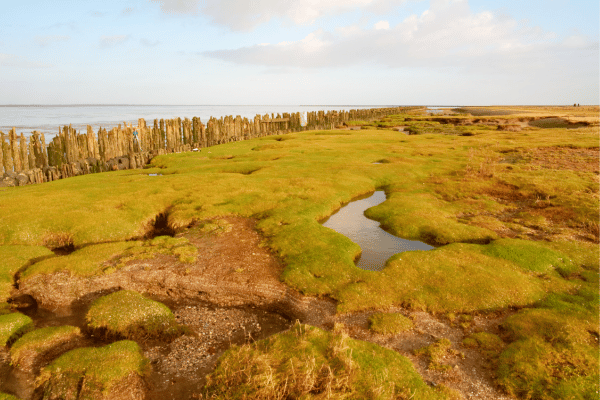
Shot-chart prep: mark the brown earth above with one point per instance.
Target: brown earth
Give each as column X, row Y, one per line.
column 233, row 294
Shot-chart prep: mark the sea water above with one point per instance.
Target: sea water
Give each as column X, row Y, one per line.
column 48, row 118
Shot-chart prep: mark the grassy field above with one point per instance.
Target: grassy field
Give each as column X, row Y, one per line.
column 514, row 216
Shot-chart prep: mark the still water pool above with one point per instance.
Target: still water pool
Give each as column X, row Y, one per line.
column 377, row 245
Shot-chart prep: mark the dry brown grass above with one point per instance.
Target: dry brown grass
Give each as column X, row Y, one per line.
column 57, row 240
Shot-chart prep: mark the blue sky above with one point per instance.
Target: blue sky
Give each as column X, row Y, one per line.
column 292, row 52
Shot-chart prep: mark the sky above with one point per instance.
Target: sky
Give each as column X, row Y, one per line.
column 300, row 52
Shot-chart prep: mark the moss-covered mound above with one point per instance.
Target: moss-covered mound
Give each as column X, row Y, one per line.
column 309, row 363
column 389, row 323
column 29, row 350
column 110, row 372
column 129, row 314
column 12, row 326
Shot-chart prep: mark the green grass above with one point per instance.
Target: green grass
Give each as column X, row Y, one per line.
column 553, row 350
column 88, row 261
column 13, row 259
column 12, row 326
column 451, row 279
column 390, row 323
column 529, row 256
column 41, row 340
column 129, row 314
column 309, row 363
column 168, row 245
column 6, row 396
column 93, row 372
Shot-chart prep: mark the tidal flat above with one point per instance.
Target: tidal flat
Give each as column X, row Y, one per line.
column 260, row 300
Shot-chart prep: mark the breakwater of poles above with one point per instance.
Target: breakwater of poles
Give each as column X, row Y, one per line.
column 72, row 153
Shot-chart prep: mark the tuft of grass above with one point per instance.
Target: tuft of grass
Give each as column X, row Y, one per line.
column 490, row 345
column 129, row 314
column 12, row 326
column 390, row 323
column 437, row 353
column 309, row 363
column 55, row 240
column 95, row 372
column 40, row 341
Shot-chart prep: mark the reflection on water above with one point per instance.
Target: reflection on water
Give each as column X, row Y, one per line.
column 377, row 245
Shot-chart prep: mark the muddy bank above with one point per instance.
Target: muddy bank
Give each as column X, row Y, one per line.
column 231, row 270
column 230, row 295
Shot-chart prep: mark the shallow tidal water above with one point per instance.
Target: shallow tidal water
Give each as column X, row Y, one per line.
column 377, row 245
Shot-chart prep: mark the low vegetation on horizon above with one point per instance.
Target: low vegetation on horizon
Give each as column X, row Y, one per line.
column 511, row 206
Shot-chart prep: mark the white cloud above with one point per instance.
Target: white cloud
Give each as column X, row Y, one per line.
column 178, row 6
column 44, row 41
column 382, row 25
column 12, row 60
column 446, row 35
column 149, row 43
column 242, row 15
column 111, row 41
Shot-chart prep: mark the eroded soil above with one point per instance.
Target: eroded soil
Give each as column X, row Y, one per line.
column 230, row 295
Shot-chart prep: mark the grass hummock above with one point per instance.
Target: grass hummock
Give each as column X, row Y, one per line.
column 389, row 323
column 12, row 326
column 40, row 341
column 553, row 350
column 488, row 343
column 131, row 315
column 94, row 372
column 309, row 363
column 437, row 353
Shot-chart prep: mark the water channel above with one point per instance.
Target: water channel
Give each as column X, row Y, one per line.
column 377, row 245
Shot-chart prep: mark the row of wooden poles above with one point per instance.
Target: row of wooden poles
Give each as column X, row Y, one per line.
column 71, row 153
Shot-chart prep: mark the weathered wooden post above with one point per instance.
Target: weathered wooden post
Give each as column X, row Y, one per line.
column 14, row 149
column 7, row 161
column 31, row 153
column 24, row 157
